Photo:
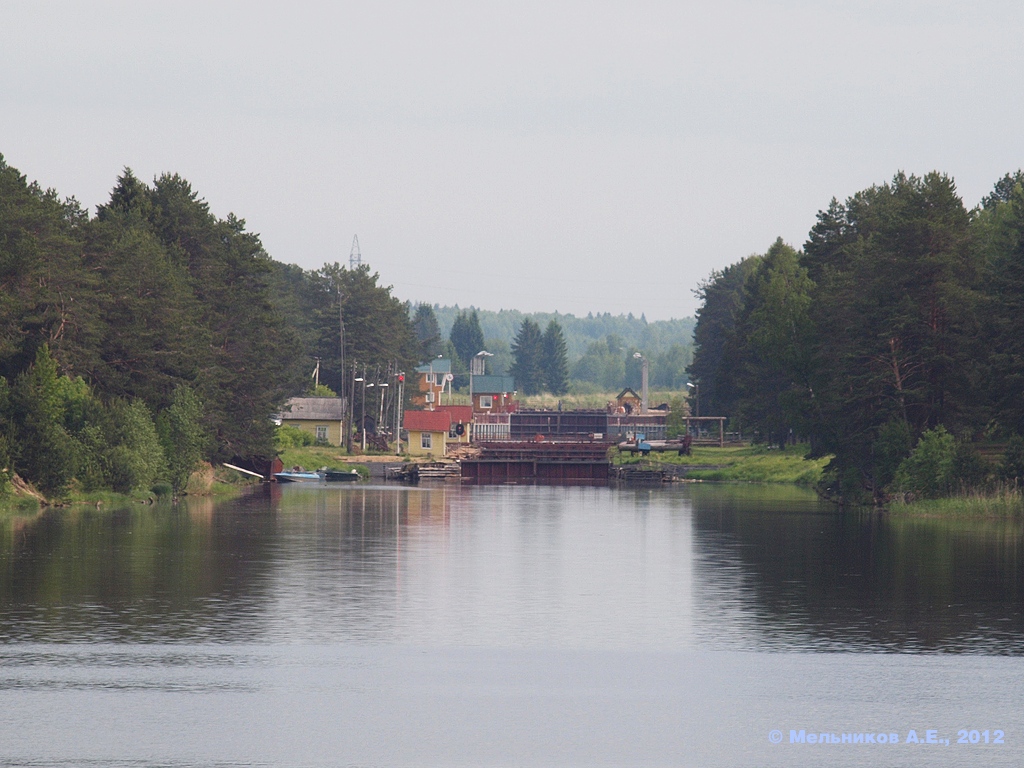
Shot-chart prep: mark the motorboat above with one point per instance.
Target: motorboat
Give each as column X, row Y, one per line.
column 297, row 475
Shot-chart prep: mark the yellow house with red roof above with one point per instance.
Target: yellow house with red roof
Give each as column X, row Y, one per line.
column 428, row 432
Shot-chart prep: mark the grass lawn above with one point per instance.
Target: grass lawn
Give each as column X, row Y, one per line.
column 743, row 464
column 312, row 457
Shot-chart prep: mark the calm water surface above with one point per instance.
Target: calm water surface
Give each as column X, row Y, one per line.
column 442, row 625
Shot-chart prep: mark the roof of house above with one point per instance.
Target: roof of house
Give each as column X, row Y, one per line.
column 493, row 385
column 428, row 421
column 314, row 409
column 623, row 393
column 461, row 414
column 441, row 365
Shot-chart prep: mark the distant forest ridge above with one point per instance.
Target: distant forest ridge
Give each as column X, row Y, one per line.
column 652, row 338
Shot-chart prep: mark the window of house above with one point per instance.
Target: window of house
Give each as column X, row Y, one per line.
column 425, row 441
column 431, row 378
column 321, row 433
column 486, row 401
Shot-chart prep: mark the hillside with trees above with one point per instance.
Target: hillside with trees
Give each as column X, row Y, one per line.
column 891, row 341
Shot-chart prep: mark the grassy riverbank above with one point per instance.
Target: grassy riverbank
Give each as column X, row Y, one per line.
column 313, row 457
column 216, row 482
column 1004, row 502
column 740, row 464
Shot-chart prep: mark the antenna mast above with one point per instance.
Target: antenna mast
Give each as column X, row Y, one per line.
column 355, row 258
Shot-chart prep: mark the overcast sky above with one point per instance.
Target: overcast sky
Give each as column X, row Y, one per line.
column 576, row 156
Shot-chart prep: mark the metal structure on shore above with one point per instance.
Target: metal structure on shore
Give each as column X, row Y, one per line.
column 539, row 461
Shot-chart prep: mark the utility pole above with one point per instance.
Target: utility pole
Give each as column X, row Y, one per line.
column 344, row 378
column 351, row 409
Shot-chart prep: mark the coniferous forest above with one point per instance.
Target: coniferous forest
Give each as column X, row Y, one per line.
column 893, row 341
column 140, row 341
column 153, row 335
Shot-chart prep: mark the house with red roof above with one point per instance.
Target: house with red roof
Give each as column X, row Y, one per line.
column 428, row 432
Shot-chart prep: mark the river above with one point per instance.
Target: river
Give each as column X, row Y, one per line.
column 686, row 625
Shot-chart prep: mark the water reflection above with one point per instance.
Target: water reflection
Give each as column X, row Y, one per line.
column 662, row 568
column 792, row 574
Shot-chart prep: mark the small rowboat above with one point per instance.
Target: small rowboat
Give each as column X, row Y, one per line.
column 339, row 475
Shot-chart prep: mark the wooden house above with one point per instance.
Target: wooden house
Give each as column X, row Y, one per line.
column 493, row 394
column 428, row 432
column 431, row 379
column 322, row 417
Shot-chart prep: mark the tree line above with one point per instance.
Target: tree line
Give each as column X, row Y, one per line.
column 537, row 360
column 139, row 341
column 599, row 348
column 893, row 340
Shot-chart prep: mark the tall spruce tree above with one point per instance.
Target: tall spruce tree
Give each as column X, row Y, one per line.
column 716, row 347
column 528, row 353
column 428, row 333
column 466, row 336
column 555, row 360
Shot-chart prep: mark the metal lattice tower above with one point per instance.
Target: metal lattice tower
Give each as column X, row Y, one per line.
column 355, row 258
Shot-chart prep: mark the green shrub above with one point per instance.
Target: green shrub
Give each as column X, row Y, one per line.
column 970, row 470
column 928, row 472
column 321, row 390
column 43, row 452
column 162, row 490
column 293, row 437
column 136, row 459
column 184, row 440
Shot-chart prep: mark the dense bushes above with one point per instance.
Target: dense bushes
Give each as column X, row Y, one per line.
column 56, row 432
column 293, row 437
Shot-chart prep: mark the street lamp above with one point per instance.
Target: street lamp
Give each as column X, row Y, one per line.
column 362, row 407
column 380, row 419
column 643, row 382
column 399, row 408
column 696, row 398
